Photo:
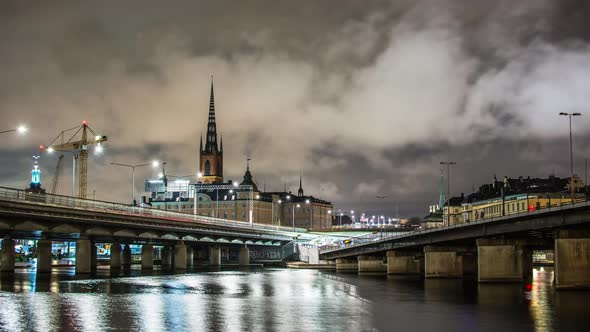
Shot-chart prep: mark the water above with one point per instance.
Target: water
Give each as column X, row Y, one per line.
column 283, row 300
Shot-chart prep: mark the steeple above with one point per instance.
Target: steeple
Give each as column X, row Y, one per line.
column 201, row 145
column 441, row 197
column 211, row 143
column 248, row 177
column 211, row 155
column 300, row 191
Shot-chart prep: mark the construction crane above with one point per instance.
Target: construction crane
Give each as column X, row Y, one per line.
column 80, row 150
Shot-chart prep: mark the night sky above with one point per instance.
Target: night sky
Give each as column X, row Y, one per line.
column 363, row 98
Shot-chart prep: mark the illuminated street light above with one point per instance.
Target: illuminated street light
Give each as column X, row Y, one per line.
column 569, row 115
column 153, row 164
column 19, row 130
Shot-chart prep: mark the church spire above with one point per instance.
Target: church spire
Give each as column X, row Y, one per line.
column 300, row 191
column 211, row 144
column 201, row 144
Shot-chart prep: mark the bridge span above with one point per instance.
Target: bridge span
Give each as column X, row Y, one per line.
column 496, row 249
column 47, row 218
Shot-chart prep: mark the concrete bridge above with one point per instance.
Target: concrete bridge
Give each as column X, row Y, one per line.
column 48, row 218
column 496, row 249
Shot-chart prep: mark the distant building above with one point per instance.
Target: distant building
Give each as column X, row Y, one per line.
column 231, row 200
column 35, row 185
column 511, row 196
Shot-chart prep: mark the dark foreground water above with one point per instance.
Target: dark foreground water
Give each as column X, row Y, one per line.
column 283, row 300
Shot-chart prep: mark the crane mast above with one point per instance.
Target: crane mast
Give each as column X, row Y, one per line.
column 79, row 147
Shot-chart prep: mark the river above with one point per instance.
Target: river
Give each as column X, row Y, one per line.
column 274, row 299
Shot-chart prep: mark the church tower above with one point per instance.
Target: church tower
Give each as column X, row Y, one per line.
column 211, row 156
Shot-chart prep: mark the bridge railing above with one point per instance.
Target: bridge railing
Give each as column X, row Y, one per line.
column 386, row 236
column 11, row 194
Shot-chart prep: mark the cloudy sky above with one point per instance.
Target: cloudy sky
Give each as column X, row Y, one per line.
column 363, row 98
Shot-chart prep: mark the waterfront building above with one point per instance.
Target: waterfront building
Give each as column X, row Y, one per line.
column 212, row 196
column 511, row 196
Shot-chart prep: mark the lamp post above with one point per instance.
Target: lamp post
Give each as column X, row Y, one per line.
column 569, row 115
column 195, row 197
column 19, row 130
column 293, row 214
column 153, row 164
column 448, row 163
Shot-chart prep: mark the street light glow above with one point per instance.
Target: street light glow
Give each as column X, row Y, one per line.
column 21, row 129
column 50, row 149
column 155, row 163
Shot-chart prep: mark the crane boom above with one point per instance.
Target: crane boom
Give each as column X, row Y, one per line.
column 55, row 180
column 81, row 147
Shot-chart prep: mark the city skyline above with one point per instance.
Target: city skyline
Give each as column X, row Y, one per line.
column 347, row 115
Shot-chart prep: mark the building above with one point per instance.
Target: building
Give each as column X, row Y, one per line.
column 212, row 196
column 511, row 196
column 35, row 185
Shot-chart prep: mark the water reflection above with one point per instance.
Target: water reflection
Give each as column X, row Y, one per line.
column 279, row 299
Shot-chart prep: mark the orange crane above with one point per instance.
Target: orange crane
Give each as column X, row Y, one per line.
column 80, row 150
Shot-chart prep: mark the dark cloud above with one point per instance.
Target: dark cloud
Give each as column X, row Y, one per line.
column 361, row 98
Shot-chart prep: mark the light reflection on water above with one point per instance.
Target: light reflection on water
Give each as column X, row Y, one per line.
column 282, row 300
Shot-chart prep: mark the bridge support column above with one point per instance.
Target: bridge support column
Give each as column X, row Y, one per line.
column 43, row 256
column 93, row 257
column 126, row 257
column 166, row 258
column 7, row 255
column 347, row 264
column 504, row 260
column 449, row 262
column 115, row 256
column 215, row 256
column 83, row 256
column 371, row 264
column 147, row 256
column 180, row 256
column 189, row 256
column 572, row 259
column 244, row 256
column 404, row 262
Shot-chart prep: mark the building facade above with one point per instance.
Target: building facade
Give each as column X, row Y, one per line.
column 511, row 196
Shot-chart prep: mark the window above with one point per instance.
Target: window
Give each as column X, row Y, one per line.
column 207, row 168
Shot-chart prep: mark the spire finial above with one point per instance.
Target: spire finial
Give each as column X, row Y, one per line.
column 300, row 191
column 248, row 164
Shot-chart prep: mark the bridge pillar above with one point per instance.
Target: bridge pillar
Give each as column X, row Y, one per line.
column 7, row 255
column 371, row 264
column 215, row 256
column 115, row 256
column 43, row 256
column 449, row 262
column 126, row 256
column 83, row 256
column 347, row 264
column 503, row 260
column 180, row 256
column 166, row 258
column 147, row 256
column 404, row 262
column 572, row 259
column 189, row 256
column 93, row 257
column 244, row 256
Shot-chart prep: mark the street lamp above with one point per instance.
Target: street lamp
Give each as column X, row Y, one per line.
column 19, row 130
column 293, row 214
column 569, row 115
column 307, row 202
column 153, row 164
column 448, row 163
column 195, row 197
